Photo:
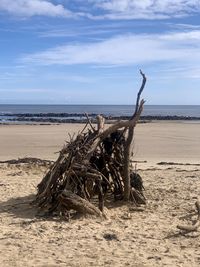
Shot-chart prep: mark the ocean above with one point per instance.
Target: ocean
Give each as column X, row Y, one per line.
column 13, row 112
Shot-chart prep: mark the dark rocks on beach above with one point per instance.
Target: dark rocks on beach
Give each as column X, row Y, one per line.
column 81, row 118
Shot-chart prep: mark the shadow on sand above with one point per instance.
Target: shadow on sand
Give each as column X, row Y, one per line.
column 20, row 207
column 23, row 207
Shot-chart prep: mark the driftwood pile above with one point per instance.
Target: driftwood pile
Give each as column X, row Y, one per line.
column 94, row 168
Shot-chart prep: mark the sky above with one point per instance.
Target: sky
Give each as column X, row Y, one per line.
column 91, row 51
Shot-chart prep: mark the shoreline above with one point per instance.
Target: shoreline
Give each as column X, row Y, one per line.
column 83, row 122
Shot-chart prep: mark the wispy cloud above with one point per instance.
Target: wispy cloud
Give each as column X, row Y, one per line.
column 125, row 50
column 74, row 33
column 184, row 26
column 101, row 9
column 146, row 9
column 24, row 90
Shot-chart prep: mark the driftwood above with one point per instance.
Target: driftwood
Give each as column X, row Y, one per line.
column 93, row 166
column 72, row 201
column 195, row 226
column 28, row 160
column 127, row 149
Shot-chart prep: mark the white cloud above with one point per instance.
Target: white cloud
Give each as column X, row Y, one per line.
column 125, row 50
column 183, row 26
column 146, row 9
column 188, row 37
column 109, row 9
column 33, row 7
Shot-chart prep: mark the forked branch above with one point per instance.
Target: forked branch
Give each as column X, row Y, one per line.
column 127, row 149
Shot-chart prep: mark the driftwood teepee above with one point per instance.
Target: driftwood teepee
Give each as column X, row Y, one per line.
column 95, row 166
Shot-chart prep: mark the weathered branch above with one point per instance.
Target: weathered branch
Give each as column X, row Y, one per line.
column 88, row 122
column 144, row 79
column 100, row 124
column 127, row 149
column 194, row 227
column 73, row 201
column 114, row 128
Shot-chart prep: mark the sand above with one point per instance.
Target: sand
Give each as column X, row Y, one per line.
column 138, row 238
column 154, row 142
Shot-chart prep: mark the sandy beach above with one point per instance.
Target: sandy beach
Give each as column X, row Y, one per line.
column 154, row 142
column 141, row 238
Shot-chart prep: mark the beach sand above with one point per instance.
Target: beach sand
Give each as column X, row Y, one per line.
column 140, row 238
column 154, row 142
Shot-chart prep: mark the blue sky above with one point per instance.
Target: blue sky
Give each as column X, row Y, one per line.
column 90, row 51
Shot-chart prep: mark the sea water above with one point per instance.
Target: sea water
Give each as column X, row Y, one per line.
column 108, row 110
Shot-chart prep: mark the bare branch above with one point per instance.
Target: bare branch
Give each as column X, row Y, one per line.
column 194, row 227
column 144, row 79
column 127, row 149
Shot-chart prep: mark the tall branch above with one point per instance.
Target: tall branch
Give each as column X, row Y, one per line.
column 127, row 149
column 144, row 79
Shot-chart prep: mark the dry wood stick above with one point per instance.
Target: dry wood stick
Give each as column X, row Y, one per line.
column 194, row 227
column 88, row 122
column 114, row 128
column 73, row 201
column 127, row 149
column 100, row 124
column 144, row 79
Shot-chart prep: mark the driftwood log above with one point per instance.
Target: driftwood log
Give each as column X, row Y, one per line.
column 92, row 167
column 72, row 201
column 195, row 226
